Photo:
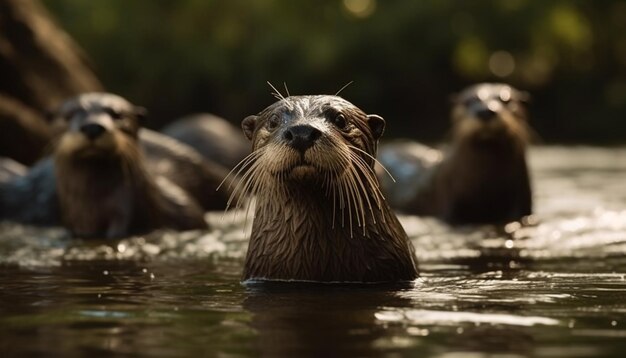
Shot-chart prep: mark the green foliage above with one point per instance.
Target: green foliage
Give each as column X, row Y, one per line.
column 405, row 57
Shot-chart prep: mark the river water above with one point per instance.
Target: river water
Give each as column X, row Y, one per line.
column 554, row 287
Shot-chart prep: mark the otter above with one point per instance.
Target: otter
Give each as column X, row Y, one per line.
column 97, row 183
column 319, row 213
column 213, row 137
column 482, row 177
column 10, row 169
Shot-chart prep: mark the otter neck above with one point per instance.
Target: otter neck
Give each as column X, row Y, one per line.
column 296, row 235
column 485, row 183
column 490, row 158
column 104, row 197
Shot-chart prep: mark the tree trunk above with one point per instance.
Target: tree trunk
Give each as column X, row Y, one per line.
column 40, row 66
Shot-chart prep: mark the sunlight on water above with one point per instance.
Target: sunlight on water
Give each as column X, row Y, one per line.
column 424, row 317
column 551, row 286
column 576, row 201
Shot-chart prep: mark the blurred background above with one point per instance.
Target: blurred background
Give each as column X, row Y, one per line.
column 405, row 57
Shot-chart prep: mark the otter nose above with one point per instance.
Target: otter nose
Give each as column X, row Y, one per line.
column 301, row 137
column 485, row 113
column 92, row 130
column 488, row 111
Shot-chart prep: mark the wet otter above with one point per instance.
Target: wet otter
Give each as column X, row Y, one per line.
column 98, row 180
column 10, row 169
column 482, row 177
column 319, row 213
column 213, row 137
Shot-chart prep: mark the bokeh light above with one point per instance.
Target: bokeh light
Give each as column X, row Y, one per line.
column 360, row 8
column 501, row 63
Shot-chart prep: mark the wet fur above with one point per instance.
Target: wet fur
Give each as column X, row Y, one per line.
column 101, row 188
column 481, row 178
column 325, row 220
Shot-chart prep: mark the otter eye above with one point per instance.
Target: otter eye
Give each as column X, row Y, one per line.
column 470, row 101
column 340, row 120
column 505, row 96
column 113, row 113
column 272, row 122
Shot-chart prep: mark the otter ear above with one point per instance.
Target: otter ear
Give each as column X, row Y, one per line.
column 248, row 124
column 376, row 124
column 140, row 112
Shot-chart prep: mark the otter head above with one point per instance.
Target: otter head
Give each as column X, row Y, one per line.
column 489, row 112
column 102, row 186
column 311, row 170
column 96, row 125
column 313, row 137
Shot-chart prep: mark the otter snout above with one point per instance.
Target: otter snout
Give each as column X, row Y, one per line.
column 487, row 111
column 92, row 130
column 301, row 137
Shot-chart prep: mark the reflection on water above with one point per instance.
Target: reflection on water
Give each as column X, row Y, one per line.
column 553, row 287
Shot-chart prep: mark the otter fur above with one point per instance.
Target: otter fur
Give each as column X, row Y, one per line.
column 319, row 213
column 482, row 177
column 98, row 182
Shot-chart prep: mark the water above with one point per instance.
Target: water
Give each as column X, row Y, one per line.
column 553, row 288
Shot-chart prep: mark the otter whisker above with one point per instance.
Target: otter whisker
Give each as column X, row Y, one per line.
column 250, row 177
column 361, row 183
column 372, row 181
column 244, row 190
column 351, row 196
column 286, row 89
column 368, row 173
column 240, row 191
column 342, row 205
column 344, row 87
column 360, row 187
column 250, row 189
column 371, row 178
column 255, row 190
column 363, row 191
column 357, row 198
column 242, row 186
column 346, row 187
column 334, row 205
column 242, row 163
column 375, row 160
column 276, row 93
column 343, row 189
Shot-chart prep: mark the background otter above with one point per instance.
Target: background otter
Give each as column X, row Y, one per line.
column 482, row 177
column 319, row 213
column 10, row 169
column 98, row 178
column 213, row 137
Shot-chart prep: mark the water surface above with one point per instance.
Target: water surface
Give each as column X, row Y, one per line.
column 555, row 287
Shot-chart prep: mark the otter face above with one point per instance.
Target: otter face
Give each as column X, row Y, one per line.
column 96, row 124
column 312, row 137
column 489, row 111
